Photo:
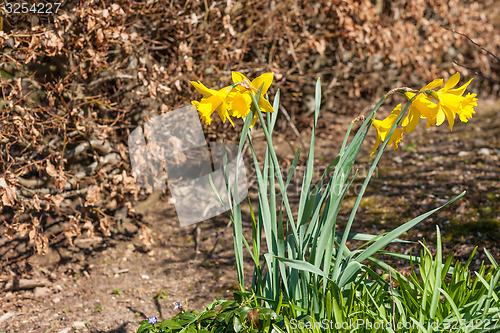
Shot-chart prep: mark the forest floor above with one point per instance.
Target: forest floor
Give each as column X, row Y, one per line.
column 112, row 284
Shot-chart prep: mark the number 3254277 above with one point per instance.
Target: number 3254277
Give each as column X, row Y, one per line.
column 41, row 8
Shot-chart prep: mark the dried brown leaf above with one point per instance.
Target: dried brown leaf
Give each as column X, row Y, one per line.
column 93, row 195
column 89, row 227
column 51, row 170
column 41, row 244
column 10, row 233
column 24, row 228
column 56, row 199
column 36, row 203
column 105, row 225
column 146, row 235
column 72, row 231
column 7, row 191
column 58, row 175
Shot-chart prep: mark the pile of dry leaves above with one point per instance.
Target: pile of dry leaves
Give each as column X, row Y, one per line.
column 76, row 83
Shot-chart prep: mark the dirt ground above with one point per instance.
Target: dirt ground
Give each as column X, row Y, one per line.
column 112, row 284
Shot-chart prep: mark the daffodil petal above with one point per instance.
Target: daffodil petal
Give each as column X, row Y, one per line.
column 409, row 95
column 451, row 100
column 208, row 105
column 383, row 128
column 430, row 112
column 202, row 89
column 204, row 116
column 222, row 93
column 434, row 84
column 223, row 113
column 265, row 106
column 238, row 77
column 440, row 117
column 467, row 109
column 450, row 115
column 396, row 138
column 255, row 116
column 377, row 143
column 265, row 79
column 453, row 81
column 387, row 123
column 459, row 91
column 412, row 120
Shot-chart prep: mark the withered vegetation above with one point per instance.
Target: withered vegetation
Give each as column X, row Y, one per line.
column 76, row 83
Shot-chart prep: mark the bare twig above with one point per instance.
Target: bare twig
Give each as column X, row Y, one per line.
column 109, row 76
column 19, row 284
column 473, row 42
column 477, row 73
column 482, row 48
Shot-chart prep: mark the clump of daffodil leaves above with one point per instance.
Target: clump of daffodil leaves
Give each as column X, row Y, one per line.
column 308, row 271
column 435, row 106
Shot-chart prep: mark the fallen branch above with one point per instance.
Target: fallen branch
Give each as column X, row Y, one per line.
column 22, row 284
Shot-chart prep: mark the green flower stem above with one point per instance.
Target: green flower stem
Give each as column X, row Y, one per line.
column 342, row 246
column 277, row 172
column 236, row 210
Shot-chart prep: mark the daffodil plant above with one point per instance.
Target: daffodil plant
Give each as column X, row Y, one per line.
column 304, row 250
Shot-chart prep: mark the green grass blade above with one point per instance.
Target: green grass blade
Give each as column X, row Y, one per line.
column 453, row 305
column 492, row 260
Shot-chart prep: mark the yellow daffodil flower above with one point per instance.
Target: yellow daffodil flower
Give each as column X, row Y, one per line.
column 451, row 102
column 212, row 100
column 421, row 107
column 240, row 104
column 384, row 126
column 233, row 101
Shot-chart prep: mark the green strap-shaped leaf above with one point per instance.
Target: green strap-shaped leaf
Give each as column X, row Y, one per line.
column 382, row 242
column 303, row 265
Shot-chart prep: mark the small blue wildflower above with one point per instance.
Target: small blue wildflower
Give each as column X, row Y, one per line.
column 153, row 320
column 177, row 305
